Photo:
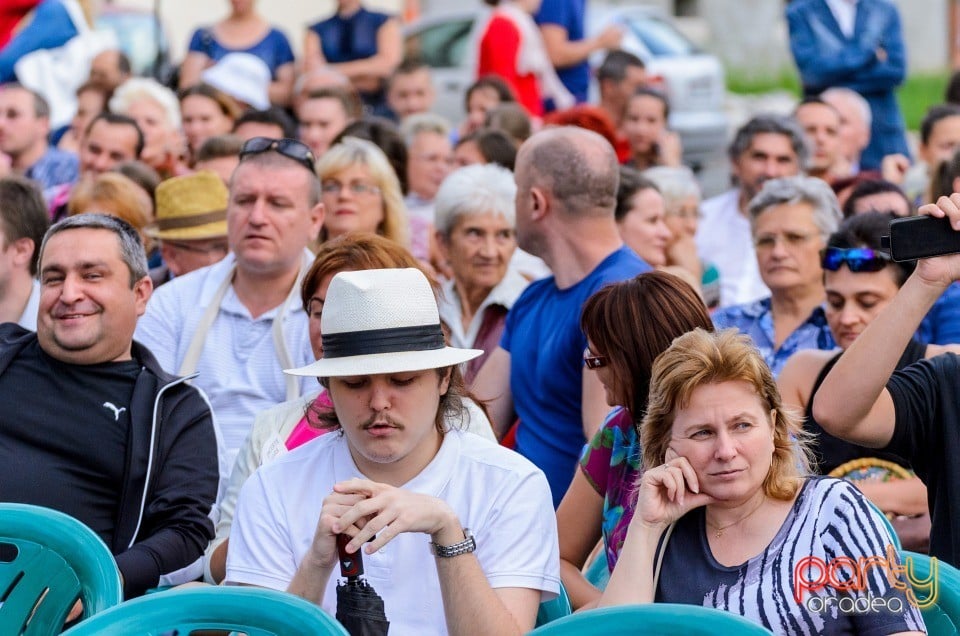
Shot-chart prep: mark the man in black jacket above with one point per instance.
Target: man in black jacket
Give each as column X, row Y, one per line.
column 90, row 424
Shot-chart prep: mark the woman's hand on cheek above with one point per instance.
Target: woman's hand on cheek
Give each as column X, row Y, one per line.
column 669, row 491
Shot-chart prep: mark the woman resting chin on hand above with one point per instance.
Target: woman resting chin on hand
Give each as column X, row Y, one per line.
column 728, row 464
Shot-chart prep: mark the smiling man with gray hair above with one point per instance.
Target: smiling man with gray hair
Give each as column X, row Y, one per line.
column 109, row 438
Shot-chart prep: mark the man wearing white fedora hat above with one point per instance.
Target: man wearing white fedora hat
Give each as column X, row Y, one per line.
column 396, row 472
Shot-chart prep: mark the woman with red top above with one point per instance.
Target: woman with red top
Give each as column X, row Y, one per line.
column 512, row 48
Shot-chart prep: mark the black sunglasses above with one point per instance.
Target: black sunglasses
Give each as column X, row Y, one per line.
column 592, row 360
column 858, row 259
column 290, row 148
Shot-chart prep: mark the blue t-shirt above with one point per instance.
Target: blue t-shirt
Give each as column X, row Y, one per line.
column 942, row 323
column 274, row 49
column 546, row 347
column 569, row 15
column 351, row 38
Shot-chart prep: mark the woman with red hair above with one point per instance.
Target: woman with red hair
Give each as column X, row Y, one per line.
column 592, row 118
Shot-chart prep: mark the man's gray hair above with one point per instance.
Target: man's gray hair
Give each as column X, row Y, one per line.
column 773, row 124
column 790, row 190
column 131, row 245
column 423, row 123
column 578, row 167
column 842, row 92
column 477, row 189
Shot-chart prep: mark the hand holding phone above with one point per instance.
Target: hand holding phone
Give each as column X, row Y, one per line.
column 922, row 237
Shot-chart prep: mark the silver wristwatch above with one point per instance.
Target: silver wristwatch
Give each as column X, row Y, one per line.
column 468, row 545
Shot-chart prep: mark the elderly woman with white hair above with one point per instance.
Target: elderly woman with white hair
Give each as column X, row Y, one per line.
column 156, row 110
column 475, row 229
column 790, row 219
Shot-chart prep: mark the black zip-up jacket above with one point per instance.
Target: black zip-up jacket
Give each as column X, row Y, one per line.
column 171, row 474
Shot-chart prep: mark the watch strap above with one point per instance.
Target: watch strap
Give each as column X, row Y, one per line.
column 468, row 545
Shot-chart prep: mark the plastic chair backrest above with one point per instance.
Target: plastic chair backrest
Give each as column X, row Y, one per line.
column 554, row 609
column 247, row 610
column 662, row 619
column 597, row 573
column 47, row 561
column 943, row 616
column 886, row 521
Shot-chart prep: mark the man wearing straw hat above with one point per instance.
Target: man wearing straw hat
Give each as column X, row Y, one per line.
column 396, row 472
column 191, row 224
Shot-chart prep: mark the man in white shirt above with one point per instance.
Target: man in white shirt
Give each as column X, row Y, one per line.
column 238, row 322
column 23, row 222
column 766, row 147
column 395, row 472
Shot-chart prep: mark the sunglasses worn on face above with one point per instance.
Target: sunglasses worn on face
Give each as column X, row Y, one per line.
column 593, row 361
column 858, row 259
column 290, row 148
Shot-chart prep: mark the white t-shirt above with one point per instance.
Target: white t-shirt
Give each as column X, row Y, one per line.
column 724, row 239
column 501, row 497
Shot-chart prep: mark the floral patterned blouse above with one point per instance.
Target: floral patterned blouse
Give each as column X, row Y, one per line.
column 611, row 464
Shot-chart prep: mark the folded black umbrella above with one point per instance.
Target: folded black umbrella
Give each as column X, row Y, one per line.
column 359, row 607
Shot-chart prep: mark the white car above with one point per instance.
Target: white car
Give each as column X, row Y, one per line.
column 693, row 80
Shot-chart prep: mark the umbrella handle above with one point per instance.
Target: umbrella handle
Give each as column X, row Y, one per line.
column 351, row 565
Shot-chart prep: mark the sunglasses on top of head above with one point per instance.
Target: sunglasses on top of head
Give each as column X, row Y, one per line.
column 290, row 148
column 857, row 259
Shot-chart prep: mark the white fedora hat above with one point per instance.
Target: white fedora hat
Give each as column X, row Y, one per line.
column 381, row 321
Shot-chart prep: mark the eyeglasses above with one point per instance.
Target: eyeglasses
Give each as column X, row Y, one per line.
column 791, row 240
column 290, row 148
column 593, row 361
column 357, row 188
column 858, row 259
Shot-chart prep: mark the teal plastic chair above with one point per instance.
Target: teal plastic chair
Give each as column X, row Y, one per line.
column 661, row 619
column 886, row 521
column 554, row 609
column 213, row 610
column 597, row 572
column 943, row 616
column 47, row 561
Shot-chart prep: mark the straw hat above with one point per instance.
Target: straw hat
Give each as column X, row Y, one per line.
column 243, row 76
column 193, row 206
column 381, row 321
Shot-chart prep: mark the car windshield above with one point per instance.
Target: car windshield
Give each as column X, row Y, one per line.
column 441, row 45
column 660, row 38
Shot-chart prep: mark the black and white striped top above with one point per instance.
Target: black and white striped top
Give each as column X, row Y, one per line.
column 829, row 519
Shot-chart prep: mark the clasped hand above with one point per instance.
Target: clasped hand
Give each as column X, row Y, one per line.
column 363, row 509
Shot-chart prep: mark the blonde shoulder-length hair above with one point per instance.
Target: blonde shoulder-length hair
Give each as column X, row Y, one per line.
column 352, row 151
column 700, row 357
